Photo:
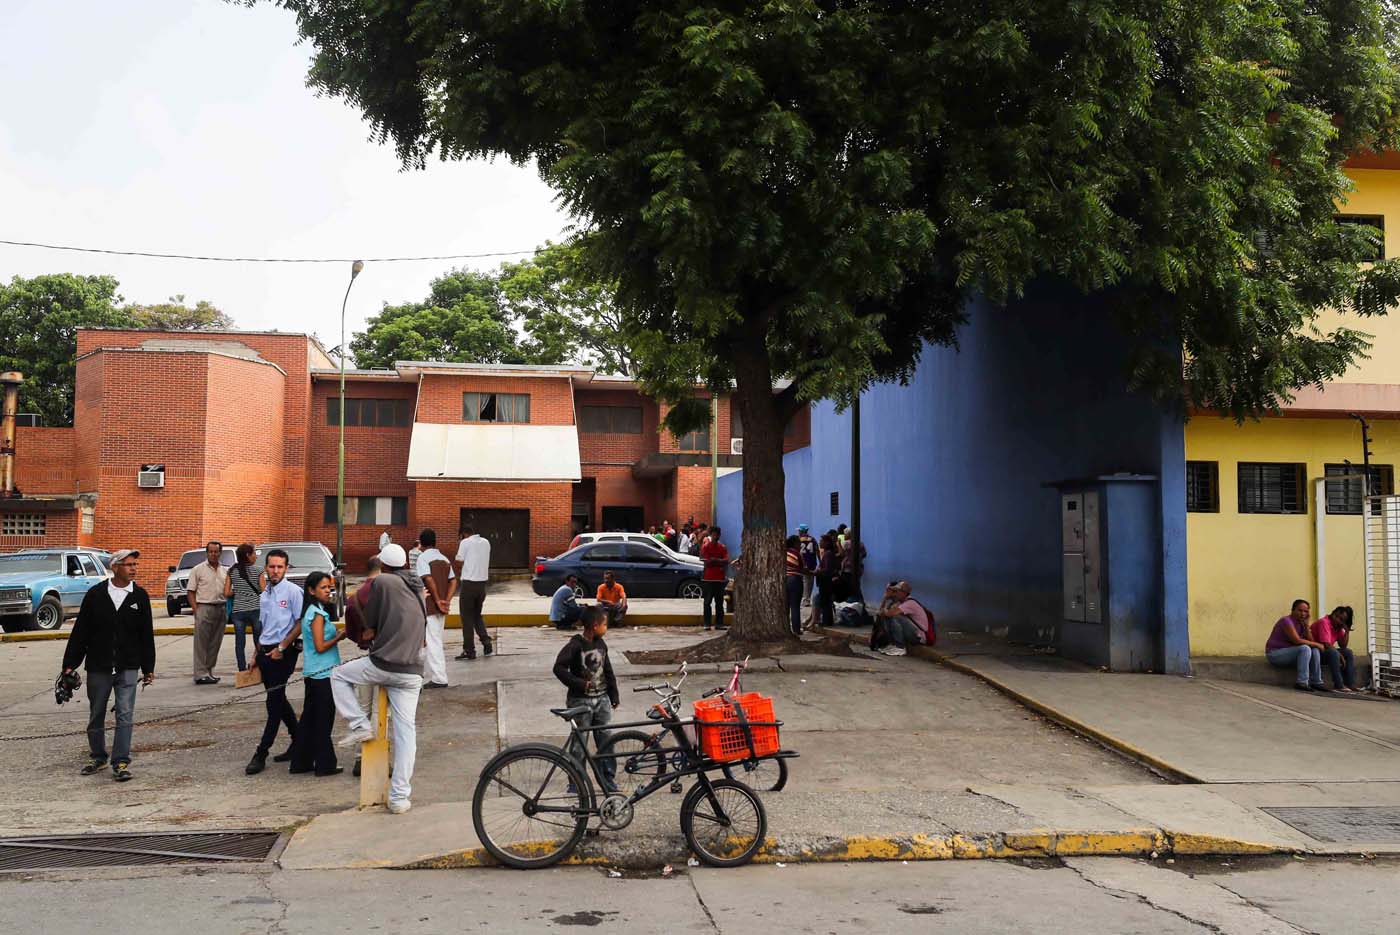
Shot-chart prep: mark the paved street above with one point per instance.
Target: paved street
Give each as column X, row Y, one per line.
column 1087, row 896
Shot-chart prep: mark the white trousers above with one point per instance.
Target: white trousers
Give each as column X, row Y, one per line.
column 403, row 690
column 434, row 657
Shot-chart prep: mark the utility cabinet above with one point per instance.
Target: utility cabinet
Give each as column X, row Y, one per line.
column 1111, row 583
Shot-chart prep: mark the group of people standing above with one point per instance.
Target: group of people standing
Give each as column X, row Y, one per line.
column 818, row 573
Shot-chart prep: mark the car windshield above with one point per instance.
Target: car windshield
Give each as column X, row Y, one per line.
column 31, row 564
column 303, row 557
column 191, row 559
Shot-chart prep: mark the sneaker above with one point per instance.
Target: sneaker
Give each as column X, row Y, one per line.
column 358, row 735
column 256, row 765
column 489, row 648
column 206, row 680
column 120, row 773
column 95, row 765
column 893, row 651
column 1302, row 686
column 398, row 808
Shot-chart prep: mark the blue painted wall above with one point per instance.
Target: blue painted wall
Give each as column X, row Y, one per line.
column 954, row 467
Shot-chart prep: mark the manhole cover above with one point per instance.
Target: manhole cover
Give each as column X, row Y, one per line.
column 127, row 850
column 1342, row 825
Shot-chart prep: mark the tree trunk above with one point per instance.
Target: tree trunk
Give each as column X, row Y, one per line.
column 760, row 607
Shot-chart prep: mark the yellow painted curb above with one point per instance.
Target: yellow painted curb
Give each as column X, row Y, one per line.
column 1184, row 843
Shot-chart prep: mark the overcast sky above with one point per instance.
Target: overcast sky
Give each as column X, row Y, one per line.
column 185, row 126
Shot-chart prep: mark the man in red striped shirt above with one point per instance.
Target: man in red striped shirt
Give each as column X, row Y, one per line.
column 792, row 583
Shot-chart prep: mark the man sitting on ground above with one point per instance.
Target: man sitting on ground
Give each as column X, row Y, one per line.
column 903, row 620
column 564, row 611
column 612, row 597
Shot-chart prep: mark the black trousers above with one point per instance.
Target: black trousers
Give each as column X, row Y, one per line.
column 275, row 673
column 313, row 749
column 713, row 592
column 471, row 597
column 792, row 586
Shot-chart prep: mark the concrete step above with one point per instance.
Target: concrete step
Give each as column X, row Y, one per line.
column 1257, row 669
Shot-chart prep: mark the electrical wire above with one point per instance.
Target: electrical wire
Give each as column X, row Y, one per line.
column 267, row 259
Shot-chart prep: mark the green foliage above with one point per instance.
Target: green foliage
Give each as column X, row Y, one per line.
column 175, row 315
column 547, row 309
column 39, row 322
column 804, row 176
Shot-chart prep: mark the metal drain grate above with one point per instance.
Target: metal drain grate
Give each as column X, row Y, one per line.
column 1343, row 824
column 130, row 850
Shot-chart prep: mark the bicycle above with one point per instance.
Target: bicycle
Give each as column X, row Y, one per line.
column 532, row 803
column 637, row 751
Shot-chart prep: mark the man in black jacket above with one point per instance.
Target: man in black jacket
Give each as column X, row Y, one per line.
column 114, row 634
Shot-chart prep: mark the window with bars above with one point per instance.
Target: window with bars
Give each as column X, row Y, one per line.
column 394, row 413
column 1344, row 493
column 835, row 502
column 24, row 524
column 1202, row 487
column 496, row 407
column 1270, row 487
column 610, row 420
column 1376, row 221
column 369, row 511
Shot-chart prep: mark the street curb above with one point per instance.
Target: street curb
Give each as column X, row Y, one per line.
column 454, row 622
column 1155, row 763
column 1009, row 845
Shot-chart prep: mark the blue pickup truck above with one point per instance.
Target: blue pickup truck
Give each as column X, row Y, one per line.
column 42, row 588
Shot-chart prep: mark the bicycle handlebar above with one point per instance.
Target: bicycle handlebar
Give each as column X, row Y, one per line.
column 650, row 688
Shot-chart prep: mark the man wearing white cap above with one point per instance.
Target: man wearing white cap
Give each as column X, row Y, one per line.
column 396, row 624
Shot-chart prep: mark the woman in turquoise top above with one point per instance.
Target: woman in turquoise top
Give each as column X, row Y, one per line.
column 313, row 751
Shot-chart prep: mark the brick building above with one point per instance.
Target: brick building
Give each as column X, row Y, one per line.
column 245, row 425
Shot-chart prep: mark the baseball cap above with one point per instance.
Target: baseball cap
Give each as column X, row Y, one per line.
column 802, row 527
column 122, row 555
column 393, row 556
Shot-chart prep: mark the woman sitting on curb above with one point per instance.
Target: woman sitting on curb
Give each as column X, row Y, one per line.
column 1334, row 632
column 1289, row 645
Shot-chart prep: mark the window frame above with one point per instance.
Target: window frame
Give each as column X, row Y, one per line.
column 24, row 524
column 357, row 407
column 515, row 402
column 398, row 510
column 1338, row 502
column 607, row 420
column 1212, row 481
column 1297, row 469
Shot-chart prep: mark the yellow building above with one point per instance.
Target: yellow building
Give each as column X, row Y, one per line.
column 1253, row 492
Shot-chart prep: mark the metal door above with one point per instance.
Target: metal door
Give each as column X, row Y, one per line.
column 508, row 531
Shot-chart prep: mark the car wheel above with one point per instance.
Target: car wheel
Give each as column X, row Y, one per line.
column 49, row 616
column 690, row 590
column 172, row 608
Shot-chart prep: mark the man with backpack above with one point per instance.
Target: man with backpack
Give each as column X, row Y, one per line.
column 901, row 621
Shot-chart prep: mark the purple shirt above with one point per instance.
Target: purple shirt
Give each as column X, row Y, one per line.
column 1278, row 637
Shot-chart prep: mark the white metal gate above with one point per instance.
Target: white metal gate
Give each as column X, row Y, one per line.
column 1383, row 591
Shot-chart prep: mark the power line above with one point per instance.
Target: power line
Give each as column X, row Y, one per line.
column 267, row 259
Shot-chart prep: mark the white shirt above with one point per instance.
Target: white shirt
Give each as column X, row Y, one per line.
column 683, row 543
column 475, row 555
column 424, row 566
column 118, row 595
column 383, row 540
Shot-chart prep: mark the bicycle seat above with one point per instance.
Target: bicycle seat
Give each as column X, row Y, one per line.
column 569, row 714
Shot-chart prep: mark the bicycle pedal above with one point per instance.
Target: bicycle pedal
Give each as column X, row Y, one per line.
column 676, row 787
column 592, row 832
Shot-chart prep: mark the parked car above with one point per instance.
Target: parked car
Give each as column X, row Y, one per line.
column 302, row 559
column 102, row 555
column 178, row 584
column 643, row 571
column 40, row 589
column 639, row 538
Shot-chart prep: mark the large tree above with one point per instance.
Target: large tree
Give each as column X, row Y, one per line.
column 768, row 182
column 175, row 315
column 462, row 318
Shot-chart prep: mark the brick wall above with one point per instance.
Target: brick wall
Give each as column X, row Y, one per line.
column 614, row 485
column 45, row 460
column 438, row 504
column 614, row 448
column 440, row 397
column 60, row 531
column 376, row 465
column 243, row 451
column 87, row 419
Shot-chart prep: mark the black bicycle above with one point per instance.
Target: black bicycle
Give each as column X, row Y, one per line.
column 533, row 803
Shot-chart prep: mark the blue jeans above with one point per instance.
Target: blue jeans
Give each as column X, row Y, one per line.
column 793, row 589
column 903, row 633
column 600, row 713
column 1306, row 658
column 99, row 688
column 244, row 620
column 1341, row 663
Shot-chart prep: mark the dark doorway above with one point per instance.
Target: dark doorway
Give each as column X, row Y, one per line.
column 508, row 531
column 622, row 519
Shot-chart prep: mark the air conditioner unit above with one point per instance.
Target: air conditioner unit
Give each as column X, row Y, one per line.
column 736, row 446
column 151, row 475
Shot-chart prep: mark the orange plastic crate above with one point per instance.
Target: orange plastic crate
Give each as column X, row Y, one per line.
column 725, row 741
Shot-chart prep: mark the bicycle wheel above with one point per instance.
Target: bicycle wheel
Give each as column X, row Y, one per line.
column 531, row 806
column 760, row 775
column 638, row 760
column 725, row 828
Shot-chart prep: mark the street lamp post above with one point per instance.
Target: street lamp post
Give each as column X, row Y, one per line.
column 355, row 269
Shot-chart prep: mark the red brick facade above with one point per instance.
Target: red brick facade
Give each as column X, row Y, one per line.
column 241, row 424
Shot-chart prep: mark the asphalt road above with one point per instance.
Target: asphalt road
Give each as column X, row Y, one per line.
column 1094, row 896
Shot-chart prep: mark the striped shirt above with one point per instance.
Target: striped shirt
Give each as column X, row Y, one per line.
column 245, row 593
column 792, row 562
